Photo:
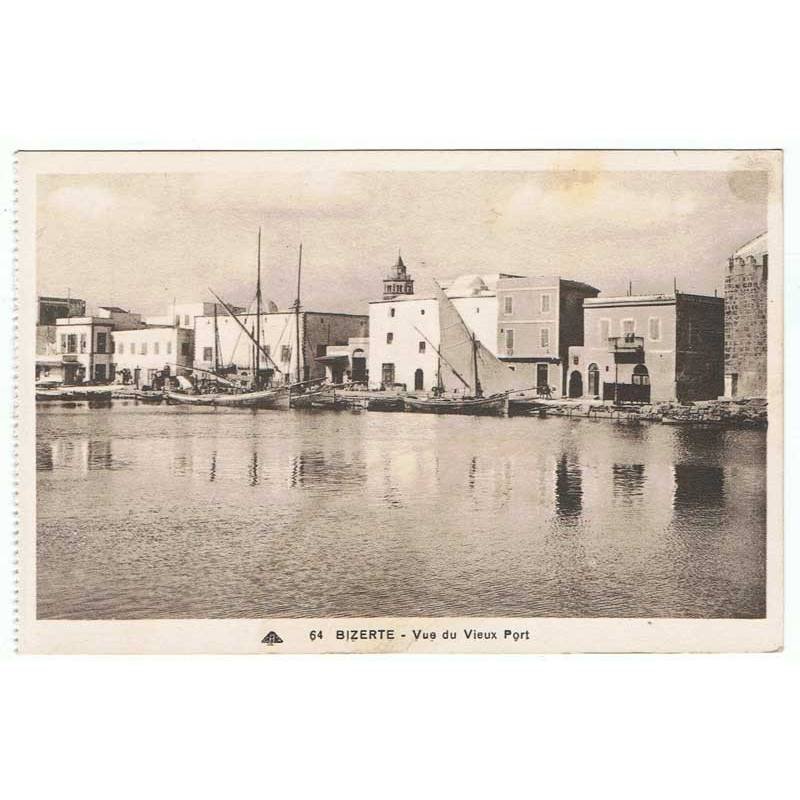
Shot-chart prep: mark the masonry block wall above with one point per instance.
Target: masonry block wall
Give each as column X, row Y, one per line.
column 746, row 323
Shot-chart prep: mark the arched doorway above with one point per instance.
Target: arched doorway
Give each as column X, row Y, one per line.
column 594, row 380
column 641, row 383
column 419, row 380
column 575, row 384
column 359, row 361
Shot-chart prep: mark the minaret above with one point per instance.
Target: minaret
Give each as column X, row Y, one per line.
column 398, row 281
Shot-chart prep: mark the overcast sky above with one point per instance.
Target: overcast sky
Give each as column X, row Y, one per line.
column 140, row 240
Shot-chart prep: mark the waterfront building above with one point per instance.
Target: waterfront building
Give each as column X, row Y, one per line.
column 404, row 331
column 280, row 333
column 142, row 353
column 649, row 348
column 123, row 320
column 528, row 323
column 84, row 343
column 746, row 320
column 182, row 315
column 52, row 308
column 345, row 363
column 539, row 319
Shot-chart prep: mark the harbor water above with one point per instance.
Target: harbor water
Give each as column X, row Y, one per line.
column 161, row 511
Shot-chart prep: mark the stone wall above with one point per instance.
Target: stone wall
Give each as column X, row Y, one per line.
column 746, row 325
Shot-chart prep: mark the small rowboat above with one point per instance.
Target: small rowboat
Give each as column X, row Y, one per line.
column 73, row 393
column 265, row 398
column 493, row 405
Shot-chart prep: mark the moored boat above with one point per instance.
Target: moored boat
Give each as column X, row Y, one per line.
column 493, row 406
column 474, row 381
column 264, row 398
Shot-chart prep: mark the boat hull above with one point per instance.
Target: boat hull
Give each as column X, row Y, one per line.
column 478, row 406
column 264, row 399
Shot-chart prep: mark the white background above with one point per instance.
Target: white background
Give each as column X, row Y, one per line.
column 348, row 75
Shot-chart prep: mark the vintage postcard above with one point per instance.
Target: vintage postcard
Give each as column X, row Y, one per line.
column 400, row 401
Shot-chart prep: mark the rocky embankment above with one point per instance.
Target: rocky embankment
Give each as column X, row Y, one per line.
column 740, row 413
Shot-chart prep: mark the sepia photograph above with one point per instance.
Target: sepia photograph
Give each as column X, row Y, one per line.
column 420, row 390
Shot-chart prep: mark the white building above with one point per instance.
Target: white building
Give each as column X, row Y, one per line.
column 404, row 330
column 279, row 335
column 183, row 315
column 86, row 341
column 141, row 353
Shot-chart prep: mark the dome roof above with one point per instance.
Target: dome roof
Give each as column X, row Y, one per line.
column 467, row 285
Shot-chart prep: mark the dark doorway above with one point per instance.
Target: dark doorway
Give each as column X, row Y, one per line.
column 419, row 381
column 387, row 374
column 594, row 380
column 359, row 373
column 542, row 376
column 575, row 384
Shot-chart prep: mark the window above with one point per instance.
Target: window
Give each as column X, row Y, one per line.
column 422, row 347
column 169, row 348
column 63, row 342
column 184, row 348
column 641, row 376
column 628, row 327
column 121, row 348
column 389, row 338
column 544, row 338
column 391, row 312
column 321, row 348
column 185, row 320
column 422, row 311
column 72, row 343
column 177, row 320
column 286, row 353
column 605, row 331
column 265, row 348
column 387, row 374
column 208, row 354
column 545, row 303
column 655, row 329
column 83, row 343
column 508, row 304
column 510, row 342
column 113, row 345
column 143, row 348
column 101, row 342
column 156, row 348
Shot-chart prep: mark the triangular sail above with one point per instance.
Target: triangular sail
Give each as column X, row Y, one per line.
column 462, row 353
column 456, row 348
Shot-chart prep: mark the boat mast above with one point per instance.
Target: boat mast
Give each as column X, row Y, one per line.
column 478, row 392
column 217, row 365
column 442, row 358
column 258, row 314
column 267, row 357
column 297, row 311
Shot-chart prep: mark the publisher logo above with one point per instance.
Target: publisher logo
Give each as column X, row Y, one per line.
column 272, row 638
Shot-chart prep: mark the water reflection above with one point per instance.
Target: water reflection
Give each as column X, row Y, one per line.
column 403, row 515
column 569, row 488
column 698, row 485
column 99, row 454
column 253, row 471
column 628, row 481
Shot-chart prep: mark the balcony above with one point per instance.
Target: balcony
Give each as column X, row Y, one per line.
column 625, row 344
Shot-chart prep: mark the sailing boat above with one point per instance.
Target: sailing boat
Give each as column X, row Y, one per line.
column 257, row 396
column 474, row 381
